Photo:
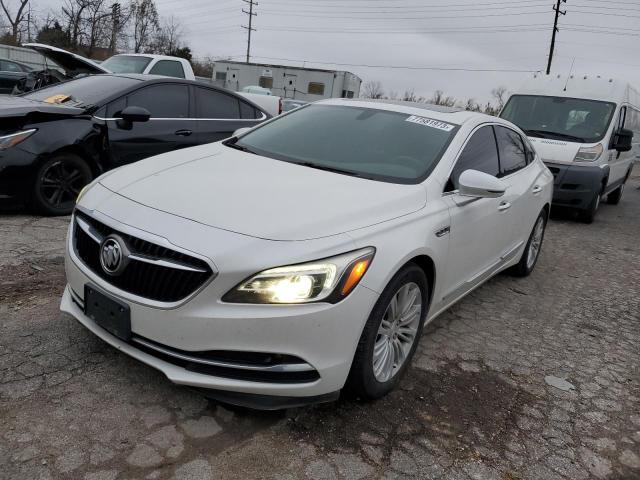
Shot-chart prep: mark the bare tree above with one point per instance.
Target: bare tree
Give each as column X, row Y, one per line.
column 15, row 20
column 98, row 23
column 72, row 12
column 472, row 105
column 119, row 19
column 372, row 89
column 500, row 94
column 145, row 20
column 169, row 37
column 439, row 98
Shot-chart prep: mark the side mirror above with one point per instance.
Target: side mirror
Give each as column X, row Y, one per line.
column 623, row 140
column 135, row 114
column 473, row 183
column 241, row 131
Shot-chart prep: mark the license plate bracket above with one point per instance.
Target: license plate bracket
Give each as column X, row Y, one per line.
column 109, row 313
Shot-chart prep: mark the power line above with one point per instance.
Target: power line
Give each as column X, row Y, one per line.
column 249, row 28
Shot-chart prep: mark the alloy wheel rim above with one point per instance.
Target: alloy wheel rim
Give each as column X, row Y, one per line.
column 61, row 184
column 397, row 332
column 536, row 243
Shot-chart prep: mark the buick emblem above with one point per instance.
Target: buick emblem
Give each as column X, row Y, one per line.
column 114, row 255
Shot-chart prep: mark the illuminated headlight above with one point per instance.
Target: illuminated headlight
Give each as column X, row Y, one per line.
column 329, row 280
column 589, row 154
column 8, row 141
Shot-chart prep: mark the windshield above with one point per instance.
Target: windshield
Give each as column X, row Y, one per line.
column 572, row 119
column 126, row 64
column 370, row 143
column 84, row 91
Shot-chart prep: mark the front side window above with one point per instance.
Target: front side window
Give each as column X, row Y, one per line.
column 214, row 104
column 162, row 101
column 573, row 119
column 480, row 153
column 168, row 68
column 370, row 143
column 126, row 64
column 513, row 155
column 9, row 67
column 316, row 88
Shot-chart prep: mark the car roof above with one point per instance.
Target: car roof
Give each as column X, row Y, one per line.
column 456, row 115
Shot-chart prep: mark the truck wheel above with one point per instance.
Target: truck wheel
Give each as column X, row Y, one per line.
column 614, row 197
column 589, row 215
column 58, row 183
column 391, row 335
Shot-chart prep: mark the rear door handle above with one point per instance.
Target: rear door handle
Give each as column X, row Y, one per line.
column 504, row 206
column 184, row 133
column 537, row 189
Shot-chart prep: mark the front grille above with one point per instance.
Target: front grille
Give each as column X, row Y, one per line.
column 155, row 282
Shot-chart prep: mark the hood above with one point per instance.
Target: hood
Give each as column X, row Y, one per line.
column 71, row 63
column 261, row 197
column 13, row 106
column 557, row 151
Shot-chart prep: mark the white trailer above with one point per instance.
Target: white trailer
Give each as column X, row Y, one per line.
column 308, row 84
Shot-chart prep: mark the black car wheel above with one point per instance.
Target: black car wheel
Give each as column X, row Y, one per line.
column 391, row 335
column 614, row 197
column 58, row 183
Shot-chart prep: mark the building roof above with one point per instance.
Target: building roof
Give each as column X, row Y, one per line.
column 289, row 67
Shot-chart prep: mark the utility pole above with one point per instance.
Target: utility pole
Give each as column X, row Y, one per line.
column 556, row 9
column 250, row 28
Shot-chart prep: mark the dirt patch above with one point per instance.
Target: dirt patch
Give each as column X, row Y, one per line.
column 20, row 282
column 452, row 410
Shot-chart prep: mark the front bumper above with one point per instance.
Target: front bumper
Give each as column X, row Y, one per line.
column 323, row 336
column 575, row 186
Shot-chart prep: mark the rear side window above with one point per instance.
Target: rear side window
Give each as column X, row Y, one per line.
column 480, row 154
column 215, row 104
column 248, row 111
column 162, row 101
column 513, row 155
column 168, row 68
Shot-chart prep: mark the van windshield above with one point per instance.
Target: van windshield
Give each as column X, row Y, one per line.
column 560, row 118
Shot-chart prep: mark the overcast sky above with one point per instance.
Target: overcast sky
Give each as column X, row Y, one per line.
column 600, row 36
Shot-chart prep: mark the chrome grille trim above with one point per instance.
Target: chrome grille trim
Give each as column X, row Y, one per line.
column 287, row 367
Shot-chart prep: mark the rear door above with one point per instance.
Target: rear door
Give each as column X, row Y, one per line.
column 219, row 114
column 481, row 228
column 169, row 128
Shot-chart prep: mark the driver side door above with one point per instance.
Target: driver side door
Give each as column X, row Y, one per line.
column 481, row 228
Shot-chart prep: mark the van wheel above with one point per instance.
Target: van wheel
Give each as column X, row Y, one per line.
column 57, row 184
column 614, row 197
column 391, row 335
column 589, row 215
column 532, row 251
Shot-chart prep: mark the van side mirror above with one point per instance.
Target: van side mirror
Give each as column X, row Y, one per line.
column 623, row 140
column 473, row 183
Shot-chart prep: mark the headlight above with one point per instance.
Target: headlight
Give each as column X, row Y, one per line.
column 329, row 280
column 589, row 154
column 14, row 139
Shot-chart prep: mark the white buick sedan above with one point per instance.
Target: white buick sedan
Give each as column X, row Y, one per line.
column 306, row 255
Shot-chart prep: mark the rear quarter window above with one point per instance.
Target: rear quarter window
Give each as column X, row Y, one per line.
column 168, row 68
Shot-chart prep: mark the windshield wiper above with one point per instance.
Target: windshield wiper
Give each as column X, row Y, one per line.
column 233, row 144
column 326, row 168
column 548, row 134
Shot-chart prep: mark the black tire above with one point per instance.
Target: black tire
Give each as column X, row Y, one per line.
column 589, row 215
column 524, row 268
column 614, row 197
column 362, row 380
column 57, row 184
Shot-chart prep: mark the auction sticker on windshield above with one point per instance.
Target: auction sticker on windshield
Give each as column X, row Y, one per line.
column 430, row 122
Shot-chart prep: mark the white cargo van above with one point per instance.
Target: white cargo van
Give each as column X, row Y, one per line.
column 587, row 131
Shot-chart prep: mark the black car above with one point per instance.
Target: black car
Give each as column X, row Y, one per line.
column 12, row 72
column 56, row 140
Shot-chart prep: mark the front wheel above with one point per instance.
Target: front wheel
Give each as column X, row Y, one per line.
column 532, row 251
column 589, row 215
column 391, row 334
column 58, row 183
column 614, row 197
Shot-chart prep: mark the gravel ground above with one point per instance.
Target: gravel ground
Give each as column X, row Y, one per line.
column 524, row 379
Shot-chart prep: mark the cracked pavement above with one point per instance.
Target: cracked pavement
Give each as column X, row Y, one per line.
column 535, row 378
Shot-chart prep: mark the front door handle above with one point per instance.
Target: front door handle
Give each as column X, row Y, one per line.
column 184, row 133
column 504, row 206
column 537, row 189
